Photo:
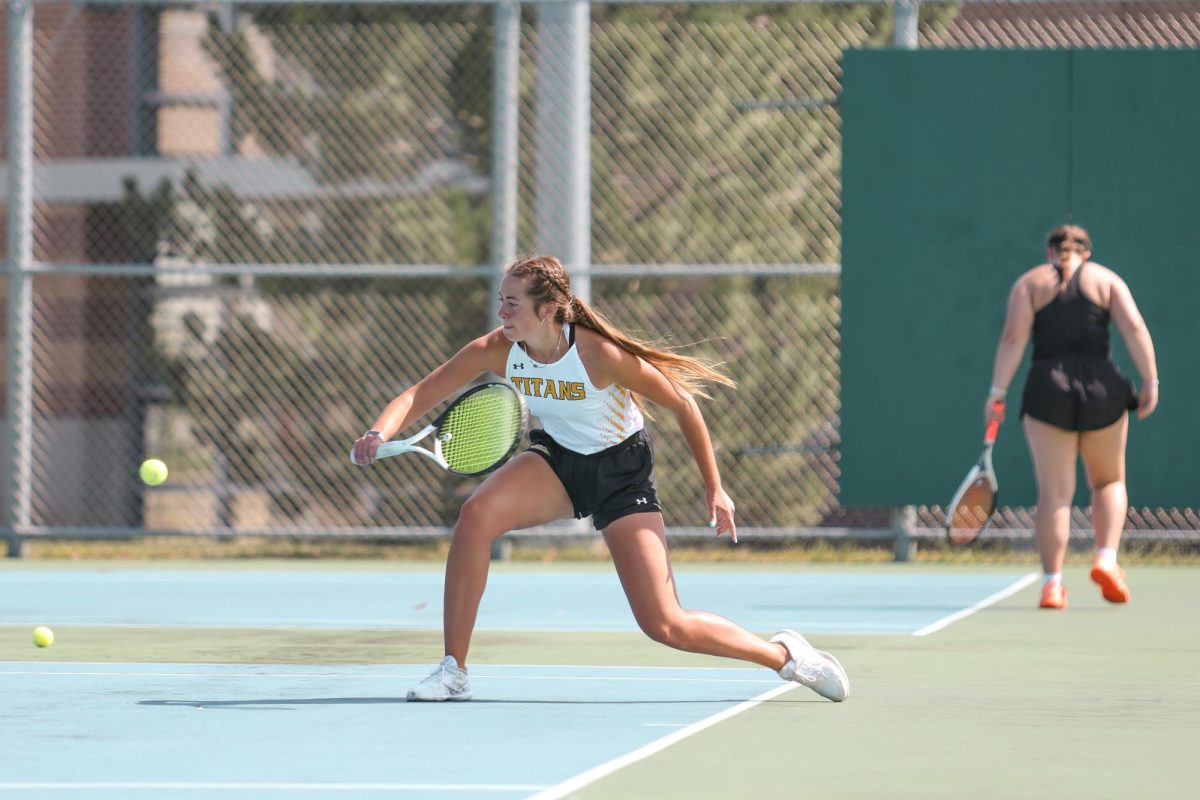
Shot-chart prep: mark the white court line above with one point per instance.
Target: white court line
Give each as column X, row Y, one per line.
column 984, row 603
column 595, row 773
column 277, row 787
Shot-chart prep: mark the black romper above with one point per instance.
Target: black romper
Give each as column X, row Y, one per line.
column 1073, row 383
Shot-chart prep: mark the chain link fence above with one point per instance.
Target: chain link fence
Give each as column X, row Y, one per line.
column 253, row 224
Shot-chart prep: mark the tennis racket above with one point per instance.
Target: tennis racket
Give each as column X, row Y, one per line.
column 475, row 435
column 970, row 511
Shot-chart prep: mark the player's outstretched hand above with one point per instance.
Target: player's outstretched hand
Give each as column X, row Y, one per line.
column 720, row 510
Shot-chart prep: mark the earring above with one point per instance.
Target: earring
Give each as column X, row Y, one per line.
column 543, row 322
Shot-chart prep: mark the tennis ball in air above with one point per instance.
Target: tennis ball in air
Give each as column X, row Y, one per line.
column 153, row 472
column 43, row 636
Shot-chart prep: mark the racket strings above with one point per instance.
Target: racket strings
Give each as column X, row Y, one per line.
column 481, row 430
column 972, row 513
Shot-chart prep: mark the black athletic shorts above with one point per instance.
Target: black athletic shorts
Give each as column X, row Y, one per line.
column 608, row 485
column 1077, row 392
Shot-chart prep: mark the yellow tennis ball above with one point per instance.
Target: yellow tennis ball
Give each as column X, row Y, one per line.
column 153, row 472
column 43, row 636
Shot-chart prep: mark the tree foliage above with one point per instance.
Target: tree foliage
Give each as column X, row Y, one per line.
column 387, row 109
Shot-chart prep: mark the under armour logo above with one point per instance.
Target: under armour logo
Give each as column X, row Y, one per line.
column 641, row 501
column 518, row 366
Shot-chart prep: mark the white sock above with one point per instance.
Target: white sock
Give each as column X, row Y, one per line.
column 1052, row 577
column 1106, row 557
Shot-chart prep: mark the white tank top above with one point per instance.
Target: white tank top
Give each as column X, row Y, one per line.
column 575, row 413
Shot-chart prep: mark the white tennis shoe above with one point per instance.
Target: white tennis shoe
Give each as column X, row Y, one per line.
column 813, row 668
column 447, row 682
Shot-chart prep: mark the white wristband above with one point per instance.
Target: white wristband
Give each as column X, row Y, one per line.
column 997, row 392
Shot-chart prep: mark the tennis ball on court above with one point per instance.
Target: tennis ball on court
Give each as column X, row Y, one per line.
column 153, row 472
column 43, row 636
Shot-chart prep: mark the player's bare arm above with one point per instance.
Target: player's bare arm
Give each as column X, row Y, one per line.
column 1128, row 320
column 482, row 355
column 1018, row 324
column 608, row 363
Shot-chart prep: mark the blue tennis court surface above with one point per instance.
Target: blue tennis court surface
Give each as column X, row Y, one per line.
column 230, row 731
column 541, row 601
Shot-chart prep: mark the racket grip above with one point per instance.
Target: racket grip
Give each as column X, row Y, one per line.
column 993, row 426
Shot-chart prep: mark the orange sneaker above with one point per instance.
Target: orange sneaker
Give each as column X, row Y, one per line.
column 1112, row 583
column 1054, row 595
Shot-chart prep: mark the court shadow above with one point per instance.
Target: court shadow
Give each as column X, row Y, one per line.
column 281, row 704
column 273, row 704
column 1032, row 608
column 500, row 701
column 858, row 609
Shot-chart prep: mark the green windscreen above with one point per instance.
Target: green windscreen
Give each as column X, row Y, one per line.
column 955, row 165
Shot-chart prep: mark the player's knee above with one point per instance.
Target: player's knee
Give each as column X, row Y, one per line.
column 477, row 517
column 661, row 630
column 1054, row 496
column 1107, row 484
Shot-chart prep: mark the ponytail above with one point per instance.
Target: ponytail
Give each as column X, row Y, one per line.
column 1062, row 277
column 546, row 281
column 686, row 372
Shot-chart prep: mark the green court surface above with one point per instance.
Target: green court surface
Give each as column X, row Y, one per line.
column 1097, row 701
column 1014, row 702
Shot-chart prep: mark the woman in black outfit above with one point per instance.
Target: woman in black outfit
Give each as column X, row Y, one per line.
column 1076, row 401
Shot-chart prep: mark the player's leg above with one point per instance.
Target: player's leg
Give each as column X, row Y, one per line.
column 1055, row 452
column 1103, row 454
column 638, row 545
column 523, row 493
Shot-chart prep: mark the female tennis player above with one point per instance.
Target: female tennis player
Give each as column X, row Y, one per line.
column 1076, row 401
column 585, row 380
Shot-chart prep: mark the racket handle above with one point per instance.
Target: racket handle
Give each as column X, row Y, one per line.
column 993, row 426
column 389, row 449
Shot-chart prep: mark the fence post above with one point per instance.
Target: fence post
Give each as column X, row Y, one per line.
column 563, row 138
column 506, row 74
column 506, row 67
column 20, row 280
column 904, row 23
column 904, row 521
column 563, row 142
column 904, row 36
